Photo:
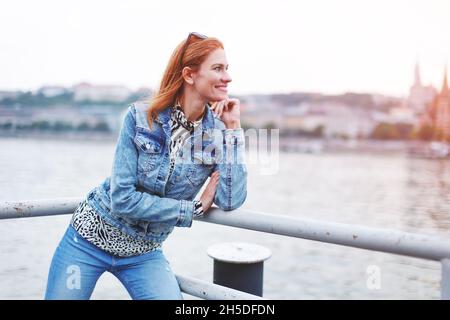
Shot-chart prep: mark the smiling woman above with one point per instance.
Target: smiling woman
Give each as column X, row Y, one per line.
column 197, row 71
column 121, row 224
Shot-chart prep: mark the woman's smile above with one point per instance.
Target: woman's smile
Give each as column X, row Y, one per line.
column 222, row 88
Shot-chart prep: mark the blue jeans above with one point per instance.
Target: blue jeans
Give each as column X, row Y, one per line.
column 77, row 264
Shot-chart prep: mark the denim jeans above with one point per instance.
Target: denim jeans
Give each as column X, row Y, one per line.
column 77, row 264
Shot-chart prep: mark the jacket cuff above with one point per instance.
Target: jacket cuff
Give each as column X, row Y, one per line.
column 234, row 136
column 186, row 213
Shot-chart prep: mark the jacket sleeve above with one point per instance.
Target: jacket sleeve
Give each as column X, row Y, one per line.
column 126, row 200
column 232, row 187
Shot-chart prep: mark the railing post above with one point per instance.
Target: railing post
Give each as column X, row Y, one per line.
column 445, row 279
column 239, row 266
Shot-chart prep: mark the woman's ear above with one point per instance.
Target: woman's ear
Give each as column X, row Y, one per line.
column 187, row 75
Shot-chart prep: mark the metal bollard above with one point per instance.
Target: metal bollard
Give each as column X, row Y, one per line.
column 239, row 266
column 445, row 279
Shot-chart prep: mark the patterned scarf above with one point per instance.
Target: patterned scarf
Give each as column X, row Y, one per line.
column 181, row 129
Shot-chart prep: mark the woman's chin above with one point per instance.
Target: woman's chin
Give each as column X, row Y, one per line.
column 218, row 98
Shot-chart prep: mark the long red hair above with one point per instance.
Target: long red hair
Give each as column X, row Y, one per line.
column 171, row 86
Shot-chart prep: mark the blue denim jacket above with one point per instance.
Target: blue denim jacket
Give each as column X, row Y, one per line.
column 140, row 199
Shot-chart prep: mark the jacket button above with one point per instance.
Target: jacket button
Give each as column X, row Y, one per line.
column 147, row 146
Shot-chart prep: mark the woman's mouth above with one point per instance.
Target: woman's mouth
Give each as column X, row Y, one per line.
column 222, row 88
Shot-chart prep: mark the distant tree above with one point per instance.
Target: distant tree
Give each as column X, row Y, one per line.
column 28, row 99
column 404, row 130
column 385, row 131
column 343, row 136
column 62, row 99
column 245, row 125
column 102, row 127
column 84, row 126
column 41, row 125
column 62, row 126
column 6, row 125
column 438, row 135
column 318, row 131
column 360, row 135
column 22, row 126
column 270, row 125
column 425, row 132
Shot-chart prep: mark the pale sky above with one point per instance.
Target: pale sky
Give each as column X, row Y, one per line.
column 329, row 46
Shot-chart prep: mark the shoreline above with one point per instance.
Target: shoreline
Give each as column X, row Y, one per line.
column 74, row 136
column 414, row 148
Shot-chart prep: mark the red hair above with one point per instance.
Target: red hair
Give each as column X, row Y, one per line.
column 171, row 85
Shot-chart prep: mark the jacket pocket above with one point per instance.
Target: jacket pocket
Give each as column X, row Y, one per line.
column 199, row 171
column 158, row 230
column 149, row 153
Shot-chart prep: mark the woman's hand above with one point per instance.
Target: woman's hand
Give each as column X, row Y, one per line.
column 208, row 194
column 228, row 110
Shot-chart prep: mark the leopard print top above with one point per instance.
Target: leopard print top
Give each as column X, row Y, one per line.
column 97, row 231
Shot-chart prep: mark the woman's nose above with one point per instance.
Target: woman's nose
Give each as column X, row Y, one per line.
column 226, row 77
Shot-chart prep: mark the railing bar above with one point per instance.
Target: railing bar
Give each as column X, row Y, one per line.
column 390, row 241
column 422, row 246
column 210, row 291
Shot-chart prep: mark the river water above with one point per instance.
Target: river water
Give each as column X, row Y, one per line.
column 387, row 190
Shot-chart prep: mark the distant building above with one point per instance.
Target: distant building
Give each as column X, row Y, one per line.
column 342, row 120
column 87, row 91
column 443, row 108
column 437, row 114
column 8, row 94
column 402, row 114
column 261, row 119
column 259, row 112
column 144, row 93
column 294, row 118
column 52, row 91
column 336, row 119
column 419, row 95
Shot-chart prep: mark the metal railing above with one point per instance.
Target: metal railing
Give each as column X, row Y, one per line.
column 376, row 239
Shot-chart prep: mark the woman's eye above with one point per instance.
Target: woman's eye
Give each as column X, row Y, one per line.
column 217, row 68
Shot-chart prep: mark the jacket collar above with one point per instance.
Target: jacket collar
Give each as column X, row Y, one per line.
column 207, row 122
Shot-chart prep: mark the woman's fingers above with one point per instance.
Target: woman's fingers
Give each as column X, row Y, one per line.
column 207, row 197
column 224, row 106
column 215, row 178
column 219, row 109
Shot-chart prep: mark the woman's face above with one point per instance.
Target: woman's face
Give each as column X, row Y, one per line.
column 212, row 78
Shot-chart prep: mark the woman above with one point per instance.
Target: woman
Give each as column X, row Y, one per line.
column 165, row 151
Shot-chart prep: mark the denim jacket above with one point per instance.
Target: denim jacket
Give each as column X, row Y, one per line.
column 140, row 199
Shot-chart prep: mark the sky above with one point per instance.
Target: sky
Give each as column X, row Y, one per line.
column 327, row 46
